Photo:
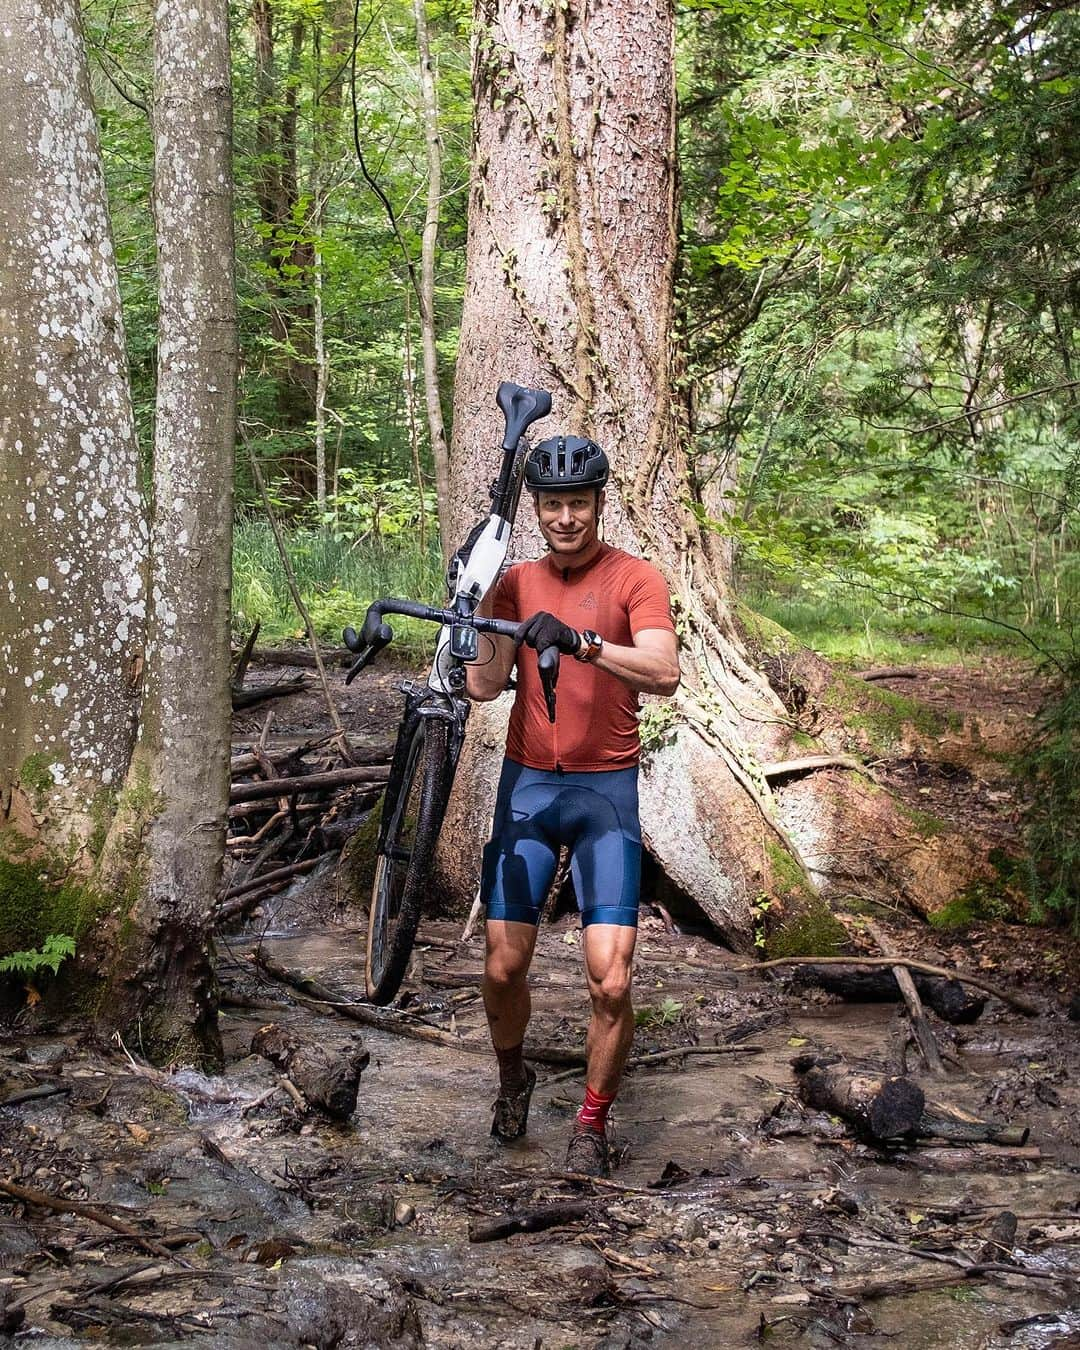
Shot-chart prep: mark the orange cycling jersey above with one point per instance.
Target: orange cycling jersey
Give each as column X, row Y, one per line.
column 596, row 729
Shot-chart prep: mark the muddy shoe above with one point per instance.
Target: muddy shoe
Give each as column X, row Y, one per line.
column 512, row 1113
column 587, row 1153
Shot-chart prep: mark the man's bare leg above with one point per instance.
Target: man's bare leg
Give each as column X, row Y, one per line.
column 506, row 984
column 609, row 959
column 508, row 1005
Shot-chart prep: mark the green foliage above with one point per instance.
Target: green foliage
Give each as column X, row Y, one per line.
column 338, row 580
column 1052, row 765
column 977, row 903
column 56, row 948
column 663, row 1014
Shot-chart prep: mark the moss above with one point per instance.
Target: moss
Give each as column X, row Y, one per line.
column 926, row 823
column 33, row 904
column 803, row 740
column 813, row 931
column 34, row 773
column 763, row 635
column 882, row 715
column 102, row 810
column 980, row 901
column 787, row 876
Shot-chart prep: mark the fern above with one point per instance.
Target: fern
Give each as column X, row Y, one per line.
column 56, row 948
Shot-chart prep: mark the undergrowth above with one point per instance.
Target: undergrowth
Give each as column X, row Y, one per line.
column 1052, row 765
column 337, row 578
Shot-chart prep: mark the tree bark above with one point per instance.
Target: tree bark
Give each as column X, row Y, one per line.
column 72, row 595
column 569, row 286
column 440, row 451
column 878, row 1108
column 181, row 764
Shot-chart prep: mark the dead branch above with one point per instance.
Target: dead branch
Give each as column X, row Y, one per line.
column 924, row 1034
column 531, row 1221
column 310, row 782
column 397, row 1025
column 248, row 698
column 1017, row 1001
column 661, row 1057
column 28, row 1195
column 267, row 878
column 786, row 768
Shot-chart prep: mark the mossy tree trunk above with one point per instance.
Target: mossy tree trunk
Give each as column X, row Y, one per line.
column 115, row 746
column 571, row 263
column 181, row 761
column 72, row 598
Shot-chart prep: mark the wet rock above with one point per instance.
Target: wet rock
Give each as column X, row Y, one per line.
column 404, row 1214
column 330, row 1304
column 47, row 1053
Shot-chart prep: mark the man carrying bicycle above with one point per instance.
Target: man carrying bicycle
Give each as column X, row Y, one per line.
column 572, row 782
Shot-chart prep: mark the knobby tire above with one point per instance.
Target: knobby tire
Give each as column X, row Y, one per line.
column 414, row 818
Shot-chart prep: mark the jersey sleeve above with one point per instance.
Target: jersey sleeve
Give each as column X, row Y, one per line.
column 504, row 598
column 648, row 601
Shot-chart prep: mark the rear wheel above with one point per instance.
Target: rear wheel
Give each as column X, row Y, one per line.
column 411, row 822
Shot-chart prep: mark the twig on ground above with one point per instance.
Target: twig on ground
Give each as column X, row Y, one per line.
column 28, row 1195
column 924, row 1034
column 660, row 1056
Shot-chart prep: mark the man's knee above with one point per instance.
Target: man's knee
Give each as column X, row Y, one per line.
column 611, row 993
column 505, row 969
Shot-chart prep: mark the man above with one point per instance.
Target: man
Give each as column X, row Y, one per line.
column 574, row 782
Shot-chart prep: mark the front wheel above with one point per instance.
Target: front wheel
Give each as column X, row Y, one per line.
column 410, row 829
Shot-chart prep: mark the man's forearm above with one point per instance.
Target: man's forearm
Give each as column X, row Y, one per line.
column 649, row 672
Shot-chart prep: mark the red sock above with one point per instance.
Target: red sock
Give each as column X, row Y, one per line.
column 593, row 1113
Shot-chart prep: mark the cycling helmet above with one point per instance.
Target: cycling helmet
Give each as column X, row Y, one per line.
column 564, row 462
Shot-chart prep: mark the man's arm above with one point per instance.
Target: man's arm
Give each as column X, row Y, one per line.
column 485, row 681
column 651, row 665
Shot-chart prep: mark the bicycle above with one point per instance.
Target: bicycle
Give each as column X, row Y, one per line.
column 432, row 727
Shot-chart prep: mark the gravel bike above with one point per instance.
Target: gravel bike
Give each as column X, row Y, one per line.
column 432, row 727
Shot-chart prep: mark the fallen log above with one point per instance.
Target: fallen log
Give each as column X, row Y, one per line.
column 531, row 1221
column 974, row 1158
column 311, row 782
column 251, row 695
column 1024, row 1005
column 300, row 656
column 268, row 878
column 878, row 1108
column 948, row 998
column 329, row 1080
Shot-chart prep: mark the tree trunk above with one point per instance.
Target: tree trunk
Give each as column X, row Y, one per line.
column 440, row 452
column 72, row 598
column 182, row 760
column 569, row 286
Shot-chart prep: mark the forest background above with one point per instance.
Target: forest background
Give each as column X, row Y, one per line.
column 876, row 296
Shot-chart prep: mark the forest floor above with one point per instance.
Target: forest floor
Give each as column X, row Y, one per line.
column 737, row 1215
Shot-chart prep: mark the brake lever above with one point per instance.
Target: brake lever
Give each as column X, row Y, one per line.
column 382, row 637
column 548, row 664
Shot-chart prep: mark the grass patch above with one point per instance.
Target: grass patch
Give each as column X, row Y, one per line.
column 338, row 579
column 861, row 632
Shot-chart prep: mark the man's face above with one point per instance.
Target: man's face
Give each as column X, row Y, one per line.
column 569, row 520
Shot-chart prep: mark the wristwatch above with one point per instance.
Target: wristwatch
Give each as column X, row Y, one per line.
column 594, row 645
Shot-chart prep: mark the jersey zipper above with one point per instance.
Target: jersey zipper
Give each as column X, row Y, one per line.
column 555, row 726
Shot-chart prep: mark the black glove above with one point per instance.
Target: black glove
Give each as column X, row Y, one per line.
column 545, row 630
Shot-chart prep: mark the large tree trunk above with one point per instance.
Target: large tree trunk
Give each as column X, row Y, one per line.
column 181, row 761
column 571, row 260
column 72, row 597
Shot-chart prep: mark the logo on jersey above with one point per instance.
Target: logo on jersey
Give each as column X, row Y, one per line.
column 589, row 602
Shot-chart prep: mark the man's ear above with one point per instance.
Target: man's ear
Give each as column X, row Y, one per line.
column 599, row 503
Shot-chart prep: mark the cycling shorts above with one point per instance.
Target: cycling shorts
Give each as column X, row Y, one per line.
column 595, row 815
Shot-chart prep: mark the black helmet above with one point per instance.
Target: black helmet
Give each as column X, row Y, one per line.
column 564, row 462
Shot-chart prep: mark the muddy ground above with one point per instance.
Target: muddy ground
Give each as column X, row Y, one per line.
column 736, row 1216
